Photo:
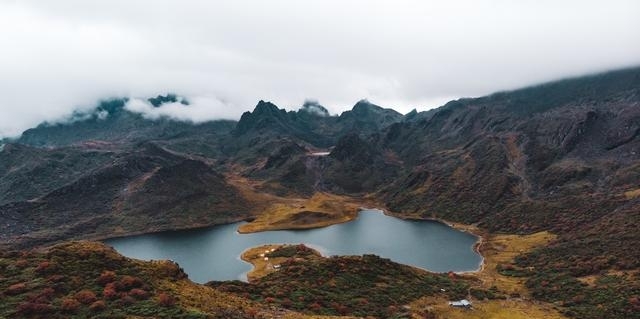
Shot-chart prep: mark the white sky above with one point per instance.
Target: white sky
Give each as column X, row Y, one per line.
column 57, row 56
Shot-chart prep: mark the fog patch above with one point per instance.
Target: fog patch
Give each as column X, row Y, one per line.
column 313, row 107
column 102, row 115
column 197, row 110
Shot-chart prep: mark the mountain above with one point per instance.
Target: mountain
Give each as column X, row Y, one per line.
column 111, row 122
column 562, row 157
column 149, row 189
column 313, row 124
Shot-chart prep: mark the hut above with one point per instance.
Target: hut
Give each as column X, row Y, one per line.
column 464, row 303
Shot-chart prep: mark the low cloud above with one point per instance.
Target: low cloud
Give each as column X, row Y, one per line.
column 314, row 107
column 63, row 56
column 198, row 110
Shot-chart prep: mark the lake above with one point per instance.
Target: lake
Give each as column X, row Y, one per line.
column 214, row 253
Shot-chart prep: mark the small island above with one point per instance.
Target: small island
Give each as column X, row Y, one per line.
column 267, row 259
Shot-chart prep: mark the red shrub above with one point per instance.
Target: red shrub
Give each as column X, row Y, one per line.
column 287, row 303
column 109, row 292
column 340, row 308
column 129, row 282
column 106, row 277
column 139, row 294
column 98, row 306
column 70, row 305
column 16, row 289
column 252, row 312
column 44, row 267
column 85, row 296
column 44, row 296
column 166, row 300
column 21, row 263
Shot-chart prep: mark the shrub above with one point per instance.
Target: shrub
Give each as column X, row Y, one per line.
column 86, row 296
column 106, row 277
column 126, row 300
column 16, row 289
column 139, row 294
column 109, row 292
column 45, row 296
column 166, row 300
column 98, row 306
column 129, row 282
column 70, row 305
column 21, row 263
column 44, row 267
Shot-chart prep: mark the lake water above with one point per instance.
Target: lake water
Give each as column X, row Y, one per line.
column 214, row 253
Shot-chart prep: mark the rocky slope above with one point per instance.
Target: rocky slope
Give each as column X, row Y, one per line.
column 149, row 189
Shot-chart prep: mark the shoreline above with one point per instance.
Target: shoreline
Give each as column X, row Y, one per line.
column 366, row 205
column 467, row 228
column 476, row 247
column 470, row 229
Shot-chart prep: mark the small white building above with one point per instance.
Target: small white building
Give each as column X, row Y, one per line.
column 464, row 303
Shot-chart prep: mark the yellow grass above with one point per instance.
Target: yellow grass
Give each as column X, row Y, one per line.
column 492, row 309
column 495, row 249
column 290, row 213
column 632, row 194
column 502, row 249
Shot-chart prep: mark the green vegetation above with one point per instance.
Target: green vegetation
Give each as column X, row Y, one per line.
column 290, row 251
column 78, row 281
column 356, row 285
column 610, row 296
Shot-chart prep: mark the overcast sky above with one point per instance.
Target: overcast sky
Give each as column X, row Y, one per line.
column 57, row 56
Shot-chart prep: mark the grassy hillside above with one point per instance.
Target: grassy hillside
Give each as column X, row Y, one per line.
column 87, row 279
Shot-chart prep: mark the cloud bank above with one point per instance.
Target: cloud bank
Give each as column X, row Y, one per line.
column 60, row 56
column 200, row 109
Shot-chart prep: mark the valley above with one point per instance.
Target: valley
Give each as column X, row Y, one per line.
column 546, row 175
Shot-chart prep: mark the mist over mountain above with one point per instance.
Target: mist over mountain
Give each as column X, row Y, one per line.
column 561, row 156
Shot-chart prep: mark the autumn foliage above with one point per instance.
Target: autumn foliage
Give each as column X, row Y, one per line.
column 70, row 305
column 166, row 300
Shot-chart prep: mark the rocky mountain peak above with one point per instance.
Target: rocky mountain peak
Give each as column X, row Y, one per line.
column 364, row 106
column 169, row 98
column 314, row 108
